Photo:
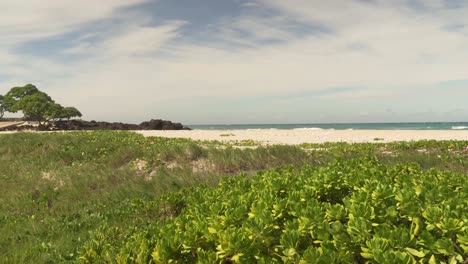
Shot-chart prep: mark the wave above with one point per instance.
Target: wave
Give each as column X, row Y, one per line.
column 308, row 128
column 257, row 129
column 459, row 127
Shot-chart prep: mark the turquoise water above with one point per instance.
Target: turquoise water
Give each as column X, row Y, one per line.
column 370, row 126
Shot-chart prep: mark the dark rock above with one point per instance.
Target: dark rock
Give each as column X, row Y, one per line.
column 153, row 124
column 19, row 128
column 158, row 124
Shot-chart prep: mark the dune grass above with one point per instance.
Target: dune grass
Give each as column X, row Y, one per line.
column 56, row 189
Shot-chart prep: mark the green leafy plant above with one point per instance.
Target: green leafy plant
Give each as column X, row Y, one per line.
column 378, row 214
column 65, row 194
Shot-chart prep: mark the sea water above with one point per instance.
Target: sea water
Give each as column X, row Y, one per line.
column 342, row 126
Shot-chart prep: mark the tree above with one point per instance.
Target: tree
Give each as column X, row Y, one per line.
column 16, row 94
column 69, row 112
column 2, row 106
column 35, row 105
column 54, row 112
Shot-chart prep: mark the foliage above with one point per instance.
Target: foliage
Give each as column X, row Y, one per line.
column 35, row 105
column 69, row 112
column 16, row 94
column 2, row 106
column 358, row 211
column 227, row 135
column 53, row 184
column 61, row 191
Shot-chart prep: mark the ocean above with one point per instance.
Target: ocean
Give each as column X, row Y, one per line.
column 342, row 126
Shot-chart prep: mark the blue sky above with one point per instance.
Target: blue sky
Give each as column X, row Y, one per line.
column 242, row 61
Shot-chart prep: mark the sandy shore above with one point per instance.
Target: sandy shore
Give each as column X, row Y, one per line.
column 268, row 136
column 272, row 136
column 9, row 124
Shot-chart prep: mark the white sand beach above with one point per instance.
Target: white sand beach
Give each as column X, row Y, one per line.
column 270, row 136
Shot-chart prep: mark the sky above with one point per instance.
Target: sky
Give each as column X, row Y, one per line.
column 242, row 61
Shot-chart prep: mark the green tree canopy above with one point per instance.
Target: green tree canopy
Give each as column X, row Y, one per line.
column 35, row 105
column 16, row 94
column 54, row 112
column 69, row 112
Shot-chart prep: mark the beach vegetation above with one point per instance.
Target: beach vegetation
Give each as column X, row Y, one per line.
column 15, row 94
column 227, row 135
column 357, row 211
column 2, row 106
column 110, row 196
column 35, row 105
column 70, row 112
column 244, row 143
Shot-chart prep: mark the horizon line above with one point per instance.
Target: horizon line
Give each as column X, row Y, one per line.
column 338, row 123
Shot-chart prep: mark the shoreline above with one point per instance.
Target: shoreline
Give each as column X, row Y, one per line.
column 294, row 137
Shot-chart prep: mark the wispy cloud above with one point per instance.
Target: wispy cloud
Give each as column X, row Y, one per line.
column 116, row 60
column 26, row 20
column 133, row 40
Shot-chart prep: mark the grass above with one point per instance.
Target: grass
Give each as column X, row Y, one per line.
column 227, row 135
column 56, row 189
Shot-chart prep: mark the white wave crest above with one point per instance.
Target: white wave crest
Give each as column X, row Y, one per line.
column 260, row 129
column 308, row 128
column 459, row 127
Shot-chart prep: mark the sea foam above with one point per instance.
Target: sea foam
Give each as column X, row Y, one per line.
column 308, row 128
column 459, row 127
column 259, row 129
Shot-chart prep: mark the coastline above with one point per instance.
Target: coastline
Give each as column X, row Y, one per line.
column 293, row 137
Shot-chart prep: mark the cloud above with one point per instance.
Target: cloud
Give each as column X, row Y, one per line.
column 136, row 69
column 249, row 4
column 37, row 18
column 23, row 22
column 133, row 40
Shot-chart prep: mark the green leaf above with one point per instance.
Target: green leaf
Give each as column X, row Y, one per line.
column 415, row 252
column 367, row 255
